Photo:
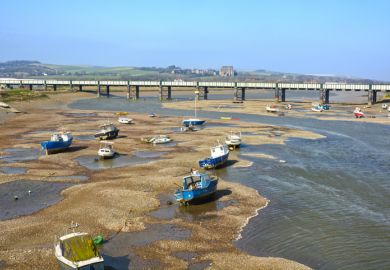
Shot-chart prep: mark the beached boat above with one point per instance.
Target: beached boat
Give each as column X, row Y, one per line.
column 152, row 115
column 189, row 128
column 325, row 107
column 161, row 139
column 388, row 109
column 384, row 106
column 358, row 113
column 196, row 186
column 106, row 150
column 272, row 109
column 121, row 113
column 125, row 120
column 233, row 140
column 59, row 141
column 194, row 121
column 288, row 107
column 219, row 156
column 4, row 105
column 107, row 131
column 77, row 250
column 317, row 108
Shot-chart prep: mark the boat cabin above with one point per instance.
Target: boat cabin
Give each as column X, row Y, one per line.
column 219, row 150
column 195, row 180
column 56, row 137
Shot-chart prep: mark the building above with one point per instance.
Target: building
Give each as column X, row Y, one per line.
column 226, row 71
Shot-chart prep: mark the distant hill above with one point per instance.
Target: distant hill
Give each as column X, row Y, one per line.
column 35, row 69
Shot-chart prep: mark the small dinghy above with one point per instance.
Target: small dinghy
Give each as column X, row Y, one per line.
column 272, row 109
column 384, row 106
column 317, row 108
column 106, row 150
column 219, row 156
column 77, row 250
column 233, row 140
column 152, row 115
column 107, row 131
column 59, row 141
column 159, row 139
column 194, row 121
column 196, row 186
column 358, row 113
column 125, row 120
column 288, row 107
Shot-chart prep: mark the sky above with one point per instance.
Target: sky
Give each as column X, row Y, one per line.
column 336, row 37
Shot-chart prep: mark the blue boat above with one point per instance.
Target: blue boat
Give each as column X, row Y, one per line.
column 58, row 142
column 196, row 186
column 193, row 121
column 325, row 106
column 219, row 156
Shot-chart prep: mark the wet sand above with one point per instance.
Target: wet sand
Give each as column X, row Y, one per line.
column 119, row 200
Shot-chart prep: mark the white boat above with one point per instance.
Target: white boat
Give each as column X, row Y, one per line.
column 358, row 113
column 4, row 105
column 125, row 120
column 288, row 107
column 106, row 150
column 272, row 109
column 233, row 140
column 384, row 106
column 316, row 109
column 77, row 251
column 388, row 109
column 161, row 140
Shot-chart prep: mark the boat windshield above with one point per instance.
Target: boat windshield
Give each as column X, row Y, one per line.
column 191, row 181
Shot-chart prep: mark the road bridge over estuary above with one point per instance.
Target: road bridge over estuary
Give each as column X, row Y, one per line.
column 239, row 89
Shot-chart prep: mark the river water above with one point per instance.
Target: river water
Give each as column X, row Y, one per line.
column 329, row 203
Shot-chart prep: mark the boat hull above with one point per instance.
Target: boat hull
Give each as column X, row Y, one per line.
column 187, row 196
column 211, row 163
column 107, row 135
column 57, row 146
column 193, row 122
column 359, row 114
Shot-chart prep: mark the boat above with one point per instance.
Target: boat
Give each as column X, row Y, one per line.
column 219, row 156
column 77, row 250
column 152, row 115
column 107, row 131
column 384, row 106
column 325, row 107
column 317, row 108
column 59, row 141
column 194, row 121
column 288, row 107
column 159, row 139
column 121, row 113
column 189, row 128
column 233, row 140
column 106, row 150
column 4, row 105
column 358, row 113
column 388, row 109
column 125, row 120
column 196, row 186
column 226, row 118
column 272, row 109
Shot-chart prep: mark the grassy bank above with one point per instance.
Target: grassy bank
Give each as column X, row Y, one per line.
column 24, row 94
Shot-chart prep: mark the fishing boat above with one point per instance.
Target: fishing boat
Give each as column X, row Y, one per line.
column 106, row 150
column 219, row 156
column 233, row 140
column 107, row 131
column 161, row 139
column 196, row 186
column 272, row 109
column 59, row 141
column 77, row 250
column 194, row 121
column 358, row 113
column 125, row 120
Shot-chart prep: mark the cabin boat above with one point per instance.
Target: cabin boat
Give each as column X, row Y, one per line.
column 107, row 131
column 77, row 251
column 358, row 113
column 59, row 141
column 233, row 140
column 157, row 139
column 125, row 120
column 219, row 156
column 196, row 186
column 194, row 121
column 272, row 109
column 106, row 150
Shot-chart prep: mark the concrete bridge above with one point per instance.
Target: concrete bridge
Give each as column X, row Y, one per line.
column 239, row 88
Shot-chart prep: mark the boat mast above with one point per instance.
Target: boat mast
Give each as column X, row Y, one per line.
column 196, row 97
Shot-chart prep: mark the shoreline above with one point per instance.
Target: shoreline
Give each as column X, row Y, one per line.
column 120, row 193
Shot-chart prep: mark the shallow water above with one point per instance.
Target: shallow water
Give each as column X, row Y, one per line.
column 330, row 201
column 42, row 194
column 12, row 170
column 119, row 250
column 20, row 154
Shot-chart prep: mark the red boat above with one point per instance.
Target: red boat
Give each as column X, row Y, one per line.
column 358, row 113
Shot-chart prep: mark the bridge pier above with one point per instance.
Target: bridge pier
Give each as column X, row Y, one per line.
column 165, row 92
column 277, row 94
column 45, row 85
column 108, row 90
column 239, row 94
column 324, row 96
column 283, row 95
column 372, row 97
column 80, row 88
column 30, row 86
column 98, row 89
column 54, row 87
